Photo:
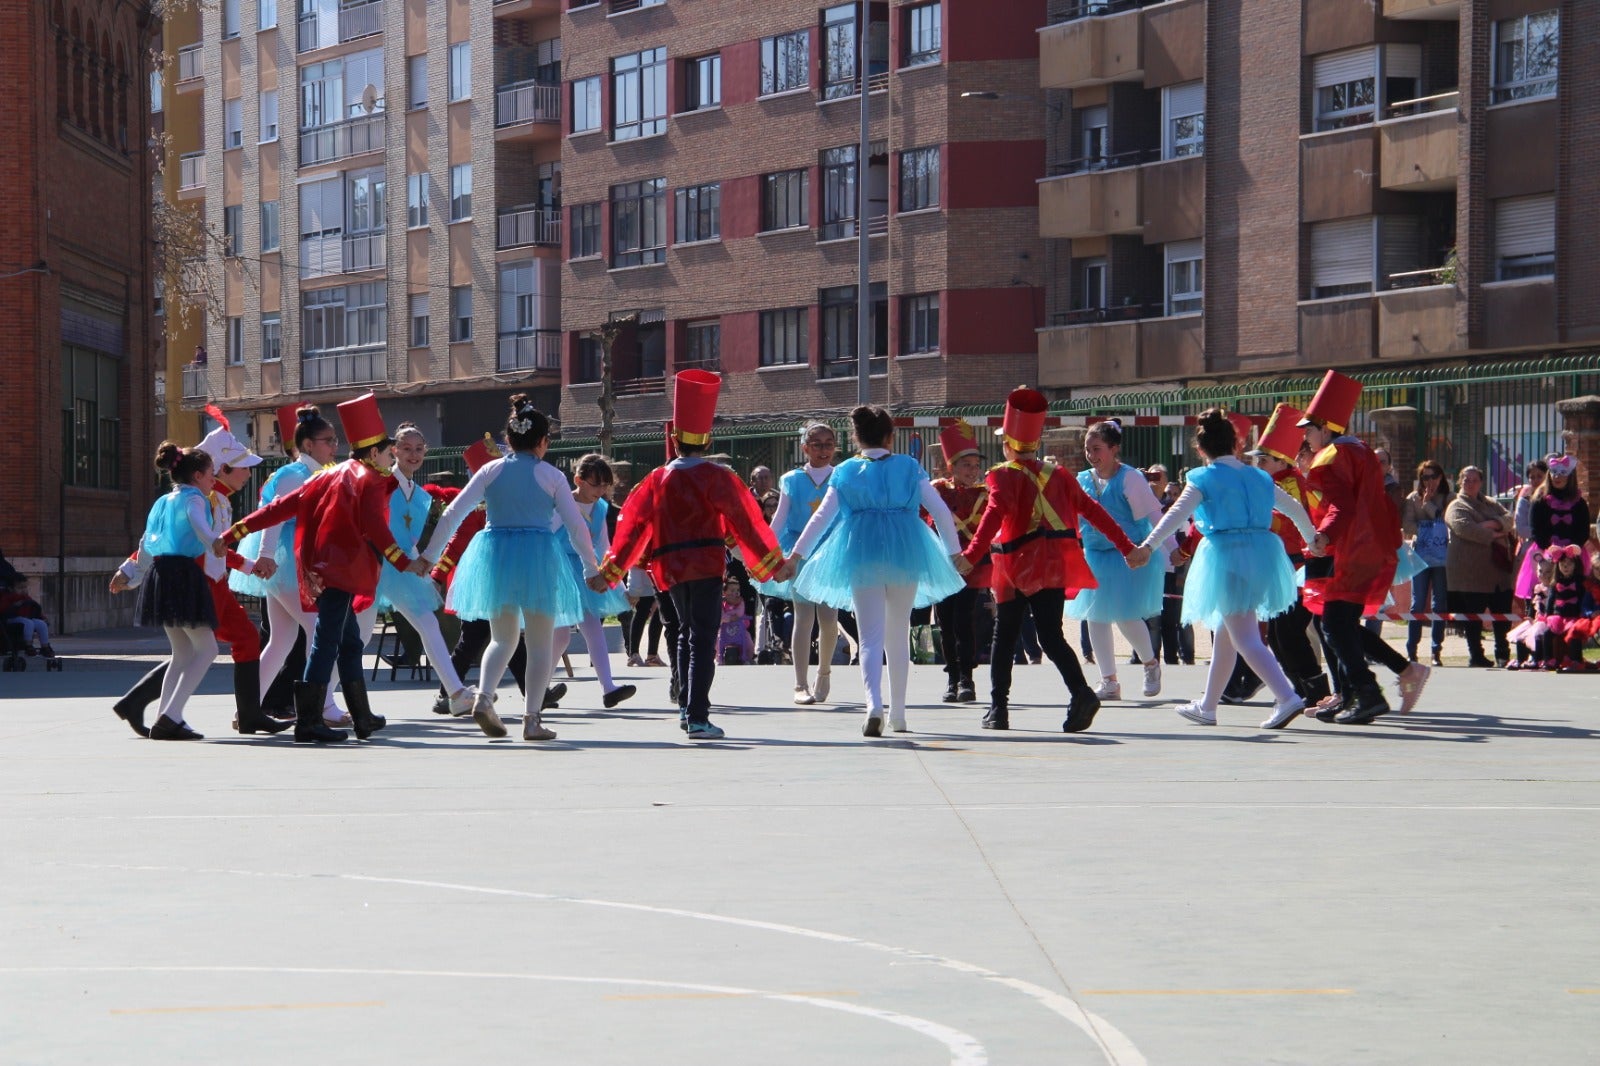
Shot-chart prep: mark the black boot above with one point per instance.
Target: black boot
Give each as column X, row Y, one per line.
column 1080, row 713
column 250, row 718
column 355, row 701
column 965, row 692
column 131, row 707
column 950, row 689
column 309, row 728
column 1369, row 704
column 998, row 716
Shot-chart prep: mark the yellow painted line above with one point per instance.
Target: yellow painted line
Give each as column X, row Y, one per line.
column 835, row 994
column 1218, row 992
column 1583, row 991
column 226, row 1008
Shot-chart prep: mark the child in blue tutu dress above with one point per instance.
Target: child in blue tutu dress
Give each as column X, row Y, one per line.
column 592, row 478
column 880, row 560
column 514, row 574
column 1240, row 575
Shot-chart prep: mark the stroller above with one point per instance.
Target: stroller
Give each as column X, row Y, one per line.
column 14, row 646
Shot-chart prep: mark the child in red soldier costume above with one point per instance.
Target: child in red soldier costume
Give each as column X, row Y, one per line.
column 682, row 514
column 1031, row 522
column 342, row 530
column 963, row 491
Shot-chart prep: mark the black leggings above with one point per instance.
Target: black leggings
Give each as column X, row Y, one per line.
column 645, row 614
column 1046, row 606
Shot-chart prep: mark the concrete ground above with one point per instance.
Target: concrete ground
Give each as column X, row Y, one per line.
column 1413, row 891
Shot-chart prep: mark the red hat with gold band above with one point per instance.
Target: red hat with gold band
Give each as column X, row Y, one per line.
column 480, row 453
column 1284, row 435
column 1241, row 425
column 958, row 440
column 694, row 405
column 363, row 422
column 1335, row 402
column 1023, row 426
column 288, row 422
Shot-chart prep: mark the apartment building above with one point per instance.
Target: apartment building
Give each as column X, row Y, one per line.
column 384, row 180
column 710, row 160
column 1258, row 186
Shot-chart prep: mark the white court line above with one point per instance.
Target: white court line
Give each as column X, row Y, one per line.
column 1113, row 1044
column 965, row 1049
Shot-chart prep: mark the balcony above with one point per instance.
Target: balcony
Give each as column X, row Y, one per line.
column 1519, row 314
column 328, row 370
column 364, row 251
column 191, row 171
column 353, row 136
column 1090, row 203
column 1342, row 329
column 194, row 382
column 321, row 256
column 1092, row 42
column 1114, row 345
column 527, row 103
column 1421, row 10
column 189, row 64
column 1419, row 145
column 529, row 350
column 642, row 386
column 1337, row 169
column 1174, row 203
column 1173, row 346
column 529, row 225
column 1417, row 321
column 360, row 20
column 526, row 10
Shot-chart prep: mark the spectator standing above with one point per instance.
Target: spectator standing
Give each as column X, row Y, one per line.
column 1173, row 640
column 1478, row 563
column 1422, row 521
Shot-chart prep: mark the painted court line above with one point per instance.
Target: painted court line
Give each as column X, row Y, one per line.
column 1217, row 992
column 229, row 1008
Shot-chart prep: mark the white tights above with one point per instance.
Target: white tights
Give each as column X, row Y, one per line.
column 1240, row 635
column 827, row 621
column 193, row 652
column 286, row 618
column 504, row 629
column 594, row 636
column 427, row 627
column 1105, row 649
column 883, row 621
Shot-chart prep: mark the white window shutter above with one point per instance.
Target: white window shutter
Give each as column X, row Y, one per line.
column 1525, row 225
column 1402, row 60
column 1341, row 253
column 1337, row 68
column 1187, row 99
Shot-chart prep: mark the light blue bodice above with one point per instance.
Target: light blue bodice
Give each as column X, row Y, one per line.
column 805, row 496
column 1115, row 500
column 416, row 509
column 596, row 523
column 168, row 530
column 515, row 498
column 1237, row 498
column 893, row 483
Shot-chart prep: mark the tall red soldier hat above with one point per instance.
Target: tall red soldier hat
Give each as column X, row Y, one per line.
column 958, row 440
column 1334, row 403
column 1241, row 425
column 288, row 422
column 363, row 422
column 1023, row 426
column 694, row 405
column 480, row 453
column 1283, row 436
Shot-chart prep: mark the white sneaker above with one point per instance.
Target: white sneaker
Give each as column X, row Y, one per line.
column 1152, row 678
column 1197, row 714
column 803, row 696
column 1110, row 689
column 1412, row 679
column 1284, row 713
column 461, row 702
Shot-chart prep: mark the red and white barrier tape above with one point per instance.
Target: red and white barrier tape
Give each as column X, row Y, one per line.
column 1425, row 616
column 1058, row 421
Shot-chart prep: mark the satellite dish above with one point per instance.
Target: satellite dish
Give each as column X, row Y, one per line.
column 369, row 98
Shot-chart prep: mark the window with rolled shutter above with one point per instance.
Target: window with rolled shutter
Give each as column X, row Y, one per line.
column 1525, row 237
column 1345, row 88
column 1400, row 250
column 1185, row 131
column 1342, row 257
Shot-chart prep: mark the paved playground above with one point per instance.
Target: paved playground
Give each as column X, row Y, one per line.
column 1421, row 890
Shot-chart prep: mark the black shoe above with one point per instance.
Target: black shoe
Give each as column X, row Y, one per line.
column 873, row 726
column 616, row 695
column 1369, row 705
column 309, row 728
column 166, row 729
column 1080, row 714
column 250, row 718
column 553, row 694
column 131, row 707
column 965, row 692
column 1481, row 663
column 1325, row 714
column 950, row 692
column 441, row 704
column 998, row 716
column 355, row 701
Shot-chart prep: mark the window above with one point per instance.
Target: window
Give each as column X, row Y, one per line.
column 702, row 346
column 924, row 34
column 699, row 213
column 839, row 51
column 230, row 18
column 919, row 179
column 1092, row 290
column 784, row 199
column 1525, row 237
column 460, row 192
column 587, row 365
column 233, row 340
column 1095, row 139
column 783, row 337
column 1525, row 53
column 586, row 104
column 460, row 314
column 839, row 317
column 322, row 208
column 155, row 92
column 1185, row 281
column 269, row 116
column 233, row 123
column 585, row 231
column 322, row 321
column 702, row 83
column 638, row 223
column 785, row 62
column 1185, row 127
column 271, row 338
column 233, row 231
column 839, row 199
column 365, row 191
column 322, row 101
column 460, row 71
column 418, row 305
column 361, row 70
column 1356, row 86
column 1342, row 258
column 417, row 82
column 530, row 307
column 416, row 200
column 639, row 95
column 266, row 14
column 919, row 324
column 91, row 429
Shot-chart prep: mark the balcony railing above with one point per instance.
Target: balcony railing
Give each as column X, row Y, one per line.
column 1423, row 105
column 1416, row 279
column 529, row 225
column 641, row 386
column 361, row 366
column 538, row 349
column 192, row 170
column 321, row 256
column 360, row 20
column 353, row 136
column 194, row 382
column 189, row 63
column 1072, row 10
column 1088, row 316
column 527, row 101
column 364, row 251
column 1085, row 164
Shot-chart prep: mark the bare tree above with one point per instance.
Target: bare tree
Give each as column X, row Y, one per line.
column 608, row 335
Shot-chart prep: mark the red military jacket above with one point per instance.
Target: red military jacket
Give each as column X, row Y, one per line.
column 1032, row 550
column 343, row 530
column 1359, row 519
column 966, row 507
column 682, row 516
column 1290, row 480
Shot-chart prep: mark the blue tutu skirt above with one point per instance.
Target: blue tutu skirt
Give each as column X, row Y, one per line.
column 1238, row 573
column 1123, row 595
column 516, row 567
column 411, row 594
column 613, row 601
column 283, row 581
column 878, row 548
